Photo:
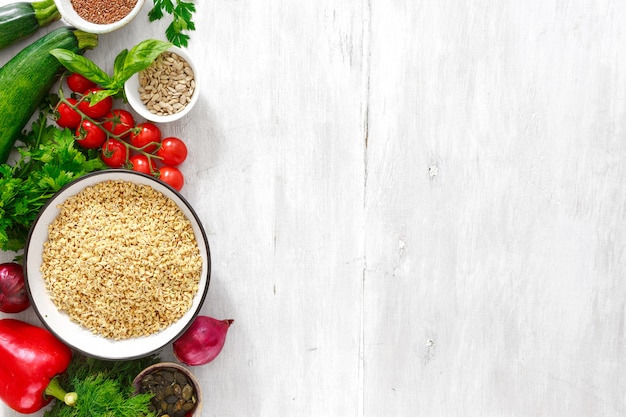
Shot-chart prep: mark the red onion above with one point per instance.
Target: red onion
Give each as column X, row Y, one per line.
column 13, row 297
column 202, row 342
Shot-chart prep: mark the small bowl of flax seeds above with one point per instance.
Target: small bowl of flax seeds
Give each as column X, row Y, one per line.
column 98, row 16
column 166, row 90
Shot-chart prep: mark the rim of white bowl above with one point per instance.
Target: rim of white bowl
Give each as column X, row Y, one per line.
column 131, row 88
column 75, row 335
column 71, row 17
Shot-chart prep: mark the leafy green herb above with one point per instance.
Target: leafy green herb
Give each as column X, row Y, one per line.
column 98, row 396
column 48, row 160
column 182, row 14
column 125, row 65
column 104, row 388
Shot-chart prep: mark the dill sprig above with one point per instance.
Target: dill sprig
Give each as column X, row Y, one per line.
column 182, row 19
column 104, row 388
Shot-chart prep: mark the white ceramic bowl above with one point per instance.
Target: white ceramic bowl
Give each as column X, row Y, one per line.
column 71, row 17
column 74, row 334
column 131, row 89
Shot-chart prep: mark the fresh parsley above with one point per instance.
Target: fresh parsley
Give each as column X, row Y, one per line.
column 48, row 160
column 182, row 19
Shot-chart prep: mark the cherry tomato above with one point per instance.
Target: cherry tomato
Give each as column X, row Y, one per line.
column 79, row 84
column 118, row 122
column 89, row 135
column 113, row 153
column 67, row 116
column 140, row 163
column 172, row 176
column 146, row 138
column 99, row 109
column 173, row 151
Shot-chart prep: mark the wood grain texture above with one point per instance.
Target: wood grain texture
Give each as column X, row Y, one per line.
column 495, row 202
column 414, row 208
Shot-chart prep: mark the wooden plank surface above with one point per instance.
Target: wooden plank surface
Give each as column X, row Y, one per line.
column 414, row 208
column 495, row 207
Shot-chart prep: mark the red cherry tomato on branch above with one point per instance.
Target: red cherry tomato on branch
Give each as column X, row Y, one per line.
column 66, row 116
column 79, row 84
column 172, row 176
column 113, row 153
column 146, row 138
column 140, row 163
column 173, row 151
column 97, row 110
column 118, row 123
column 89, row 135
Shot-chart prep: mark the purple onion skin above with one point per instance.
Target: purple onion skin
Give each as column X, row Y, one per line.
column 202, row 342
column 13, row 297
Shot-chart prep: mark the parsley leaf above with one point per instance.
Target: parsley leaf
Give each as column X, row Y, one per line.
column 48, row 160
column 182, row 19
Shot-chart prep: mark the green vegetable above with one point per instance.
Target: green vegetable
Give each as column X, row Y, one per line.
column 27, row 78
column 182, row 14
column 22, row 19
column 126, row 64
column 48, row 160
column 104, row 388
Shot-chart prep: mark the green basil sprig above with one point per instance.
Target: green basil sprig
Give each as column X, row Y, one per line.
column 126, row 64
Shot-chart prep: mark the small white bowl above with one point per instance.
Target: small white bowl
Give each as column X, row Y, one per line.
column 133, row 96
column 59, row 323
column 71, row 17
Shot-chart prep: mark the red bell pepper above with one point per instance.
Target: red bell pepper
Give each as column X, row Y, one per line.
column 31, row 359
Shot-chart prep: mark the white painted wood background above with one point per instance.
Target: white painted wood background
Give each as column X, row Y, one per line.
column 415, row 208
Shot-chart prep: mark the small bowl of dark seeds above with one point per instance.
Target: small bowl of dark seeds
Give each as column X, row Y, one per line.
column 176, row 390
column 166, row 90
column 98, row 16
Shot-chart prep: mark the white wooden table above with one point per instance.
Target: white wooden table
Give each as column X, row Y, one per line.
column 415, row 208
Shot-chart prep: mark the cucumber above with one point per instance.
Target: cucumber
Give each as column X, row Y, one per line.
column 22, row 19
column 28, row 77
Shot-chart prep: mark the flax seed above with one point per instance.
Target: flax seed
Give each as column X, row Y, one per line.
column 103, row 12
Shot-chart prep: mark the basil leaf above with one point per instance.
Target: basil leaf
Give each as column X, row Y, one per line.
column 95, row 97
column 83, row 66
column 119, row 61
column 139, row 58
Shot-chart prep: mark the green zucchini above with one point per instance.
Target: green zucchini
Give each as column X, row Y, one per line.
column 22, row 19
column 28, row 77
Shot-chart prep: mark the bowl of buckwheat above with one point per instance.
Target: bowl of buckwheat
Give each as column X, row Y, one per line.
column 98, row 16
column 165, row 91
column 117, row 265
